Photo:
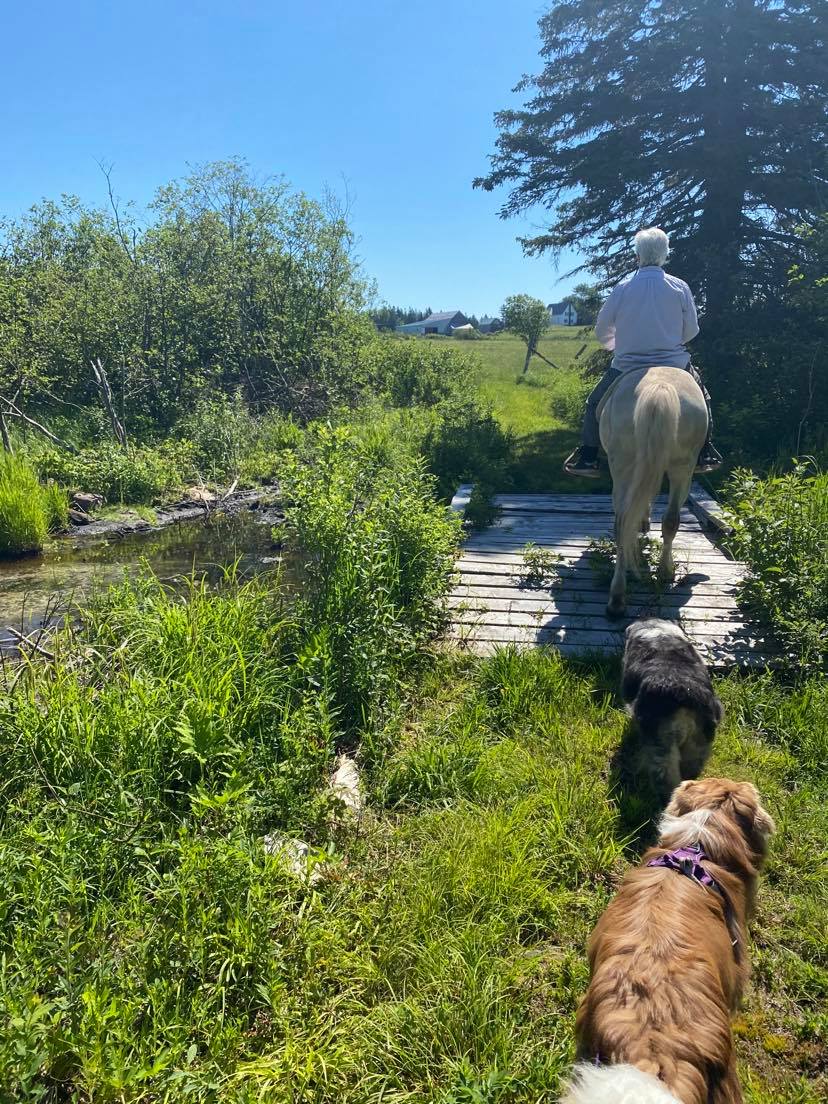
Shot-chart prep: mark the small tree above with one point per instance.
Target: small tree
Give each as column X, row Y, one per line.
column 527, row 317
column 586, row 299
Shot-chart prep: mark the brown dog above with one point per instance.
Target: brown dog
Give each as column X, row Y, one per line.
column 669, row 957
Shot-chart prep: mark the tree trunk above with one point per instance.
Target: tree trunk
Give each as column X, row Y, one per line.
column 105, row 391
column 529, row 352
column 721, row 227
column 4, row 432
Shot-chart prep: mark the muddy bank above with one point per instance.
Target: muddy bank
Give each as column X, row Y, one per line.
column 187, row 510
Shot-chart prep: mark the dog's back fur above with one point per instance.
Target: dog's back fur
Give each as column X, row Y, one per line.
column 666, row 973
column 669, row 694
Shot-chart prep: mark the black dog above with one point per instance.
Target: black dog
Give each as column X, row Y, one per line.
column 669, row 695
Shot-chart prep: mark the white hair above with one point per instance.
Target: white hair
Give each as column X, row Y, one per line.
column 651, row 246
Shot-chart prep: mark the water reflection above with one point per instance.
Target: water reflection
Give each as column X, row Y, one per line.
column 39, row 587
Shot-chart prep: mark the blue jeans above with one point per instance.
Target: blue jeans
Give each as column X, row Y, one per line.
column 590, row 436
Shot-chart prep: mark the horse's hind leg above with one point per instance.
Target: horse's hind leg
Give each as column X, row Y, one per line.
column 679, row 489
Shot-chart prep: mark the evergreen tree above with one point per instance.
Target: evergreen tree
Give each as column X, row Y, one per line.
column 707, row 118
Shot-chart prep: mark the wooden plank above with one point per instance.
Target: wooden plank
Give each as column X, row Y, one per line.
column 594, row 621
column 715, row 658
column 580, row 525
column 568, row 569
column 721, row 609
column 593, row 638
column 707, row 509
column 462, row 496
column 580, row 553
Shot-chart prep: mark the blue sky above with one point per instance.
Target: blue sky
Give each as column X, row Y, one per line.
column 392, row 102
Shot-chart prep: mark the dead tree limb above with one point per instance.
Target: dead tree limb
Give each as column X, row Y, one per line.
column 14, row 411
column 105, row 391
column 4, row 432
column 548, row 361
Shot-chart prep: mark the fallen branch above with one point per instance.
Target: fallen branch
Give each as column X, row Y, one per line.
column 27, row 640
column 14, row 411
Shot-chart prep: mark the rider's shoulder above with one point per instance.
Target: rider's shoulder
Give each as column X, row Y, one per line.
column 676, row 282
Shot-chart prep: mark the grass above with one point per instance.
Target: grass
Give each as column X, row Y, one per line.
column 28, row 510
column 543, row 408
column 154, row 951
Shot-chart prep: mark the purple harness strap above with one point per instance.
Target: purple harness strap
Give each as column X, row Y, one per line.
column 688, row 861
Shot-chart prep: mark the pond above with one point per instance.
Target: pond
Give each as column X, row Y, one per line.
column 38, row 589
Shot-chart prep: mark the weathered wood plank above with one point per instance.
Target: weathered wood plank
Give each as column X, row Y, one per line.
column 462, row 496
column 593, row 621
column 707, row 509
column 571, row 552
column 566, row 569
column 715, row 658
column 714, row 607
column 492, row 608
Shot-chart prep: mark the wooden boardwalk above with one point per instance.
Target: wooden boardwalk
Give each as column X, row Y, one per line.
column 496, row 601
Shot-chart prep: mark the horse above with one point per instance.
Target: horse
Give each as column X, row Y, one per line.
column 652, row 422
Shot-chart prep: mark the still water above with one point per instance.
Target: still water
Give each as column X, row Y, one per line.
column 38, row 588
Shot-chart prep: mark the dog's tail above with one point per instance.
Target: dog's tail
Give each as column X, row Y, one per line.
column 621, row 1084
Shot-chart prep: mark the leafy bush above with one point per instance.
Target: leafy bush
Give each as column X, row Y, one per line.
column 569, row 398
column 409, row 371
column 28, row 511
column 377, row 552
column 780, row 528
column 228, row 440
column 467, row 444
column 144, row 474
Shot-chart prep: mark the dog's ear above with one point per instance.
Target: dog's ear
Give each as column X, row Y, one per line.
column 679, row 802
column 755, row 822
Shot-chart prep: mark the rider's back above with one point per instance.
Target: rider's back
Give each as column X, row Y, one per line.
column 647, row 319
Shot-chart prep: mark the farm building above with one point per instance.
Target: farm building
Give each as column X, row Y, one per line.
column 440, row 322
column 562, row 314
column 490, row 325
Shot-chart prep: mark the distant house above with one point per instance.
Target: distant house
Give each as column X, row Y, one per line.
column 490, row 325
column 440, row 322
column 562, row 314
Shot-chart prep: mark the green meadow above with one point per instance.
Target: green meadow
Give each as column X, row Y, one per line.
column 543, row 407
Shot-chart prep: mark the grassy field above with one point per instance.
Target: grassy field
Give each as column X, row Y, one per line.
column 543, row 408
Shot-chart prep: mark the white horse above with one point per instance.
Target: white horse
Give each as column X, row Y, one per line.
column 653, row 422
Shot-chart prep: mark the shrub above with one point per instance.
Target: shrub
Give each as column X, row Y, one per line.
column 144, row 474
column 570, row 397
column 468, row 444
column 409, row 371
column 377, row 552
column 780, row 528
column 28, row 511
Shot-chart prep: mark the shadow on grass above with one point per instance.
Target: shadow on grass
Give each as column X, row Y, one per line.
column 538, row 465
column 639, row 805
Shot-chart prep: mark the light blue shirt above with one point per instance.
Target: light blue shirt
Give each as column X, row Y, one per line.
column 647, row 319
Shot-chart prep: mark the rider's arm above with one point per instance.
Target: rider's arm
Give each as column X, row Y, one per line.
column 605, row 323
column 690, row 326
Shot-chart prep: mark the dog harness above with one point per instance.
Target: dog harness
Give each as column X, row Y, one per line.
column 688, row 861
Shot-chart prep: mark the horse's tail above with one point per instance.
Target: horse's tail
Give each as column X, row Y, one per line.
column 655, row 427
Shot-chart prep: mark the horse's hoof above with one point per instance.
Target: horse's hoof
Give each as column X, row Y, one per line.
column 616, row 608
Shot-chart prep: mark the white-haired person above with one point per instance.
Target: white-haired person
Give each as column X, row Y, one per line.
column 647, row 320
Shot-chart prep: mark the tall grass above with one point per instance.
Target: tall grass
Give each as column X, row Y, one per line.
column 780, row 528
column 377, row 553
column 28, row 511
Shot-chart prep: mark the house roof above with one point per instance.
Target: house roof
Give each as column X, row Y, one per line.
column 558, row 308
column 442, row 316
